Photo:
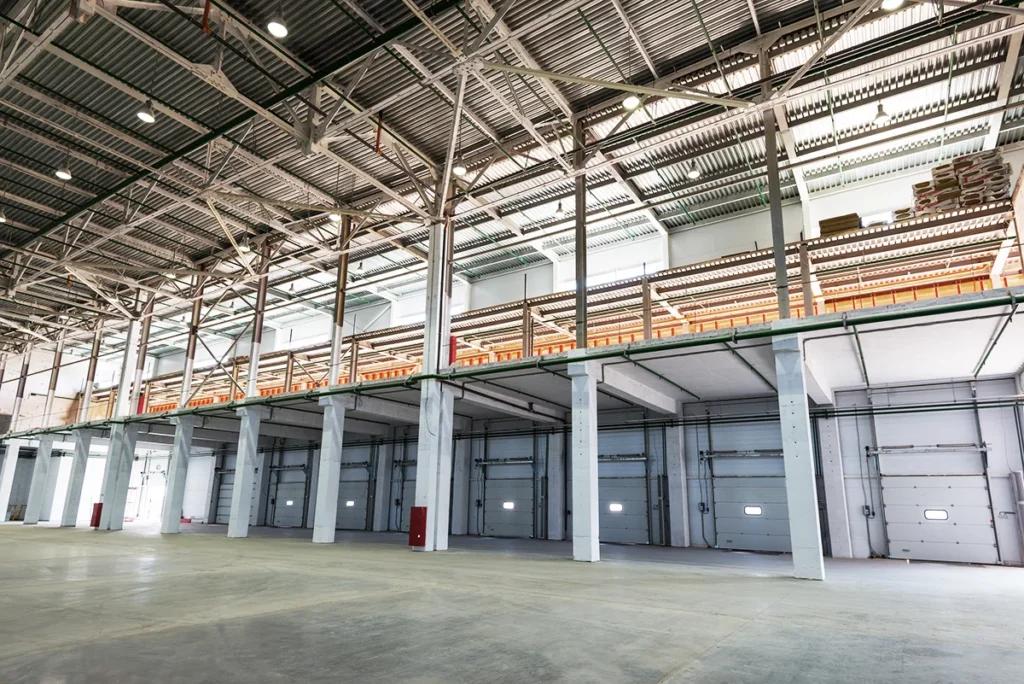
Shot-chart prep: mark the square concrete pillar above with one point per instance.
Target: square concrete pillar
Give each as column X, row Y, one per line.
column 120, row 458
column 675, row 476
column 382, row 486
column 460, row 487
column 10, row 464
column 585, row 498
column 798, row 458
column 835, row 488
column 40, row 476
column 555, row 468
column 177, row 472
column 328, row 479
column 434, row 462
column 245, row 470
column 79, row 461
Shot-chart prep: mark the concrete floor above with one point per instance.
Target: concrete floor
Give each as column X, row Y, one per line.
column 84, row 606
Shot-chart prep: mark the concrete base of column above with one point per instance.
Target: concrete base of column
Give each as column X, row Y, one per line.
column 40, row 477
column 678, row 499
column 328, row 480
column 798, row 459
column 556, row 485
column 177, row 472
column 245, row 470
column 434, row 462
column 79, row 461
column 120, row 458
column 585, row 498
column 10, row 464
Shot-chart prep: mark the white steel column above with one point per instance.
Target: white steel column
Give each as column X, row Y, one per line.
column 40, row 473
column 328, row 480
column 835, row 488
column 556, row 485
column 460, row 487
column 585, row 500
column 678, row 501
column 798, row 457
column 382, row 486
column 177, row 471
column 79, row 462
column 434, row 447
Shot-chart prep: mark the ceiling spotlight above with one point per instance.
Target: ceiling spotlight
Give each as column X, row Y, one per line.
column 334, row 217
column 459, row 169
column 881, row 116
column 146, row 114
column 291, row 287
column 693, row 172
column 276, row 27
column 359, row 267
column 890, row 5
column 244, row 247
column 170, row 275
column 3, row 216
column 560, row 210
column 63, row 172
column 631, row 102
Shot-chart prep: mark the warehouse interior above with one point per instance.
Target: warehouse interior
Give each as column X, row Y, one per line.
column 678, row 340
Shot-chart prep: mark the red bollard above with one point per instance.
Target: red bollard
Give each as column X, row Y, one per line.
column 97, row 509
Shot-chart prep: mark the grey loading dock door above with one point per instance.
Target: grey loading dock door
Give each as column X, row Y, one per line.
column 940, row 518
column 508, row 506
column 751, row 513
column 623, row 510
column 353, row 498
column 227, row 487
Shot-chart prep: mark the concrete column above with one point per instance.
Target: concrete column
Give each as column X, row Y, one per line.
column 801, row 492
column 79, row 461
column 245, row 470
column 40, row 475
column 177, row 472
column 835, row 488
column 585, row 520
column 675, row 476
column 460, row 487
column 120, row 458
column 434, row 462
column 14, row 447
column 328, row 480
column 382, row 487
column 556, row 485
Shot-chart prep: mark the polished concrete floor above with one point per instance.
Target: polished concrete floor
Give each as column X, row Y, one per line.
column 132, row 606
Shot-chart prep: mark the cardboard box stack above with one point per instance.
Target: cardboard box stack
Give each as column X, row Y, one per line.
column 967, row 181
column 839, row 225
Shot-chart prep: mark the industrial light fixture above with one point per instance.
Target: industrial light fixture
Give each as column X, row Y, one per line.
column 631, row 102
column 291, row 287
column 334, row 217
column 890, row 5
column 359, row 267
column 63, row 172
column 275, row 26
column 459, row 168
column 560, row 210
column 146, row 114
column 3, row 216
column 693, row 172
column 881, row 116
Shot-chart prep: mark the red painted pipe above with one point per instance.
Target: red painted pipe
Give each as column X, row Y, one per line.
column 97, row 509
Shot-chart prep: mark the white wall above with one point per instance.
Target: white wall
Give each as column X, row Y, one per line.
column 509, row 287
column 732, row 236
